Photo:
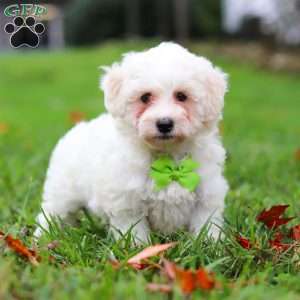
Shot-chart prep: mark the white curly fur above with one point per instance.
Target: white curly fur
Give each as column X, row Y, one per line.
column 104, row 164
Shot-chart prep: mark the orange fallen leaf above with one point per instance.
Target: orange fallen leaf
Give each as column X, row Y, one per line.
column 115, row 264
column 17, row 246
column 4, row 127
column 295, row 233
column 136, row 260
column 76, row 116
column 158, row 287
column 272, row 218
column 189, row 280
column 205, row 279
column 297, row 154
column 245, row 243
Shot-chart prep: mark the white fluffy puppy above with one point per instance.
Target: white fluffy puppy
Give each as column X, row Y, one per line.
column 165, row 100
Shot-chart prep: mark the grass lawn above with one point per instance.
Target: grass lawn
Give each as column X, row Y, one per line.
column 261, row 132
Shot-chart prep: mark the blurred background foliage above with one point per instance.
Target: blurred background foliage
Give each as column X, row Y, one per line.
column 106, row 16
column 272, row 23
column 93, row 21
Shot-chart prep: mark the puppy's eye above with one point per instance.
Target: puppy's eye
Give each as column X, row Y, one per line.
column 180, row 96
column 145, row 98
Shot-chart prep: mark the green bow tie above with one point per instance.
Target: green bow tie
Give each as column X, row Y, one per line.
column 164, row 170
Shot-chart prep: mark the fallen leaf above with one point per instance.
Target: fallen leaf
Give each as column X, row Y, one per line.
column 274, row 212
column 76, row 116
column 277, row 244
column 139, row 266
column 295, row 233
column 51, row 259
column 169, row 269
column 272, row 218
column 189, row 280
column 278, row 222
column 17, row 246
column 52, row 245
column 4, row 127
column 205, row 279
column 278, row 236
column 115, row 264
column 136, row 260
column 245, row 243
column 297, row 154
column 158, row 287
column 140, row 260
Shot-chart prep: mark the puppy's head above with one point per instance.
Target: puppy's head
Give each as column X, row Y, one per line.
column 167, row 94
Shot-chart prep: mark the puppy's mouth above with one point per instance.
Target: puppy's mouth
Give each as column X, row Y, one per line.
column 165, row 137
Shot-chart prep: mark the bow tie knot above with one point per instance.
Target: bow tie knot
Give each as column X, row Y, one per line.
column 165, row 170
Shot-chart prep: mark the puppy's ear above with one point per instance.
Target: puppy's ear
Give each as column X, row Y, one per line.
column 111, row 84
column 215, row 85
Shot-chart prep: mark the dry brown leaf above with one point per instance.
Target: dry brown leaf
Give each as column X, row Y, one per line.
column 53, row 245
column 148, row 252
column 189, row 280
column 4, row 127
column 158, row 287
column 140, row 260
column 297, row 154
column 115, row 264
column 18, row 247
column 169, row 269
column 205, row 279
column 76, row 116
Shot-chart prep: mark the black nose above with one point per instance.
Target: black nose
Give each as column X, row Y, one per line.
column 165, row 125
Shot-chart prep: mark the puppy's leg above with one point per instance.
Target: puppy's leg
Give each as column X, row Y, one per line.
column 210, row 206
column 124, row 221
column 55, row 209
column 60, row 199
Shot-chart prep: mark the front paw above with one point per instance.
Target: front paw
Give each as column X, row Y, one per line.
column 141, row 238
column 212, row 230
column 139, row 232
column 215, row 232
column 138, row 238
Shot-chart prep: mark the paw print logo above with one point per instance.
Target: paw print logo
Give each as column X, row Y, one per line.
column 24, row 32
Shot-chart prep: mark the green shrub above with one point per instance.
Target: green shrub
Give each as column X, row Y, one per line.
column 92, row 21
column 206, row 17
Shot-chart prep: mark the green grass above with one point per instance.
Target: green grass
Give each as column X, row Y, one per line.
column 261, row 134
